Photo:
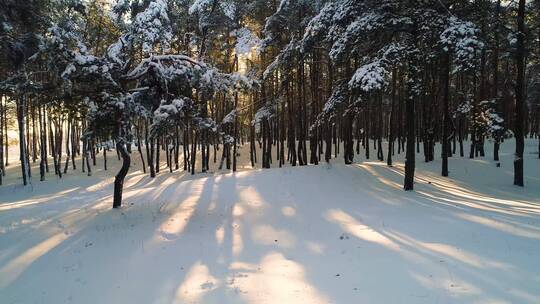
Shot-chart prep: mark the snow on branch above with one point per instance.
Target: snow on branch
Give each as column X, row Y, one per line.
column 284, row 58
column 369, row 77
column 152, row 26
column 167, row 67
column 462, row 39
column 265, row 112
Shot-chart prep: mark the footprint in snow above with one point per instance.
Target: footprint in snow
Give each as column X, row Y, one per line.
column 168, row 236
column 343, row 237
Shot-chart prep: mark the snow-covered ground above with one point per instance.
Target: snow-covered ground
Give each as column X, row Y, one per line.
column 315, row 234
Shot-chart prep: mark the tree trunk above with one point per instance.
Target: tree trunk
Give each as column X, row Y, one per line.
column 520, row 84
column 22, row 140
column 446, row 113
column 410, row 121
column 390, row 121
column 119, row 178
column 235, row 143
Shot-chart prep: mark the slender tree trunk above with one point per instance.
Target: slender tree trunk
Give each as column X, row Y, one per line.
column 193, row 152
column 495, row 94
column 151, row 159
column 68, row 152
column 158, row 149
column 380, row 152
column 446, row 112
column 6, row 154
column 2, row 167
column 45, row 139
column 235, row 130
column 87, row 157
column 520, row 88
column 43, row 143
column 22, row 139
column 410, row 121
column 121, row 175
column 139, row 147
column 390, row 121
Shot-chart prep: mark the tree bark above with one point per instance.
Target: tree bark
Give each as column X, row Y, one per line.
column 520, row 83
column 121, row 175
column 22, row 140
column 446, row 118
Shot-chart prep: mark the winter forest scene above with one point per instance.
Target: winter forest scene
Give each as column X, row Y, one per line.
column 270, row 151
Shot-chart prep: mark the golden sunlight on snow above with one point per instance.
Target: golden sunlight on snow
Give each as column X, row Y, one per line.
column 198, row 281
column 361, row 231
column 268, row 235
column 35, row 201
column 15, row 267
column 316, row 248
column 250, row 197
column 237, row 242
column 284, row 282
column 220, row 234
column 173, row 226
column 454, row 287
column 528, row 231
column 288, row 211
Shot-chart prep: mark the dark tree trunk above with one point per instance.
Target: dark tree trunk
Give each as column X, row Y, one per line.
column 520, row 83
column 390, row 121
column 151, row 159
column 43, row 149
column 6, row 154
column 235, row 143
column 495, row 94
column 121, row 175
column 410, row 155
column 139, row 147
column 87, row 157
column 158, row 149
column 446, row 113
column 410, row 122
column 2, row 168
column 22, row 140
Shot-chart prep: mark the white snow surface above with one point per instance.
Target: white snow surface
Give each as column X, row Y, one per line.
column 317, row 234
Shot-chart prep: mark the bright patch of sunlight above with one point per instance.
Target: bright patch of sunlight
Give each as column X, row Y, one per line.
column 242, row 266
column 14, row 268
column 250, row 197
column 30, row 202
column 237, row 242
column 220, row 234
column 100, row 185
column 461, row 255
column 370, row 168
column 316, row 248
column 504, row 227
column 438, row 250
column 288, row 211
column 454, row 286
column 284, row 282
column 197, row 282
column 238, row 210
column 457, row 287
column 173, row 226
column 359, row 230
column 525, row 296
column 268, row 235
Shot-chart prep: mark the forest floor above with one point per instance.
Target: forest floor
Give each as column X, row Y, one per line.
column 316, row 234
